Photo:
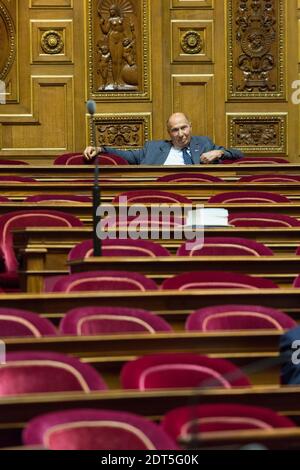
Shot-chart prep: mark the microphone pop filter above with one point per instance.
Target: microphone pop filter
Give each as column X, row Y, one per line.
column 91, row 107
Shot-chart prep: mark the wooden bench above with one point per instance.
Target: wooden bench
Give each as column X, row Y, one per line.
column 197, row 192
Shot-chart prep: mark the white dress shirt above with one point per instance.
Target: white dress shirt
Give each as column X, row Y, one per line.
column 175, row 157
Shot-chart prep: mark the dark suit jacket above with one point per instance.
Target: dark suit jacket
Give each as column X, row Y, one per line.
column 290, row 371
column 155, row 152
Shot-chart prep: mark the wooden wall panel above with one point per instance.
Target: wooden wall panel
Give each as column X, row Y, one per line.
column 194, row 95
column 186, row 55
column 52, row 128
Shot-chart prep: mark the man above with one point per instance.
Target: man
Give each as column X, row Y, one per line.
column 182, row 149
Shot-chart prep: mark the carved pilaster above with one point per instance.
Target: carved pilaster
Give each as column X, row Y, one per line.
column 256, row 49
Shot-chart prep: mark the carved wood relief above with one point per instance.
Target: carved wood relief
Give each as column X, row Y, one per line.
column 192, row 41
column 124, row 130
column 256, row 49
column 259, row 133
column 119, row 63
column 52, row 42
column 8, row 66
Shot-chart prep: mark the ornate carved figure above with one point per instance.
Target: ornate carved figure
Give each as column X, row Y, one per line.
column 115, row 25
column 104, row 63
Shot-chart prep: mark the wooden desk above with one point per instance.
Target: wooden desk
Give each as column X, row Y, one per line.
column 46, row 249
column 84, row 211
column 144, row 172
column 16, row 411
column 281, row 270
column 197, row 192
column 174, row 306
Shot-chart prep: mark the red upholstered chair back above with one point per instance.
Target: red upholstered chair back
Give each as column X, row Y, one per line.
column 258, row 160
column 4, row 199
column 111, row 320
column 18, row 323
column 118, row 247
column 103, row 281
column 216, row 280
column 238, row 317
column 186, row 421
column 189, row 177
column 58, row 197
column 45, row 372
column 181, row 370
column 225, row 246
column 296, row 282
column 78, row 159
column 247, row 197
column 35, row 218
column 152, row 196
column 262, row 219
column 270, row 178
column 12, row 162
column 94, row 429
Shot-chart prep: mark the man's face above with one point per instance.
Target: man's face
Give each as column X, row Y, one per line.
column 180, row 130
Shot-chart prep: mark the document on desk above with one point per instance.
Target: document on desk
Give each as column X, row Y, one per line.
column 207, row 218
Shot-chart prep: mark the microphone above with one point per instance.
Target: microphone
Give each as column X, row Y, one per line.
column 91, row 108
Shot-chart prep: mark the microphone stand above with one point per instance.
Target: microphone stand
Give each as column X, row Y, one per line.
column 97, row 242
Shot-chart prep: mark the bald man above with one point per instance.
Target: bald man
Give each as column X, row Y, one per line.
column 182, row 149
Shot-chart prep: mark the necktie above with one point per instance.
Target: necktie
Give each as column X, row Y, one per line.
column 186, row 153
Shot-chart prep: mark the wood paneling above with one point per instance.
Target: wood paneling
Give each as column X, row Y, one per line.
column 194, row 95
column 185, row 61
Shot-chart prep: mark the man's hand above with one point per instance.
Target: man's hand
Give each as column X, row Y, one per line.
column 212, row 156
column 91, row 152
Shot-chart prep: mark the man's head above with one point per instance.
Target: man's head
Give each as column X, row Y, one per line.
column 179, row 129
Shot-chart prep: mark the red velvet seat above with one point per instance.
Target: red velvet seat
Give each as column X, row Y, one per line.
column 270, row 178
column 35, row 218
column 257, row 160
column 58, row 197
column 238, row 317
column 111, row 320
column 216, row 280
column 189, row 177
column 225, row 246
column 181, row 370
column 45, row 372
column 78, row 159
column 94, row 429
column 119, row 247
column 296, row 282
column 262, row 219
column 12, row 162
column 19, row 323
column 151, row 196
column 102, row 281
column 247, row 197
column 189, row 421
column 4, row 199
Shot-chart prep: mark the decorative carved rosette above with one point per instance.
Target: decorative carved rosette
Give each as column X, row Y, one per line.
column 52, row 42
column 191, row 42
